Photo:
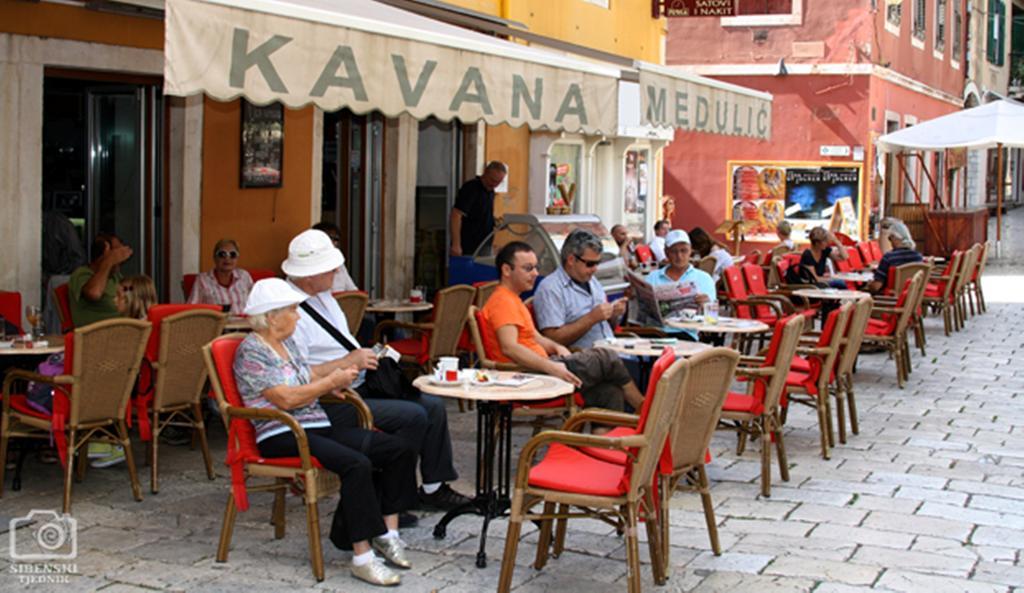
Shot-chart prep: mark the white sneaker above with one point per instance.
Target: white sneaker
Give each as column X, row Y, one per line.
column 376, row 572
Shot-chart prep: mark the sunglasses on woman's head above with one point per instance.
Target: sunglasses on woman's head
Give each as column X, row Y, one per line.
column 222, row 253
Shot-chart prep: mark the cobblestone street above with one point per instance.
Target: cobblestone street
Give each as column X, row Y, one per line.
column 928, row 497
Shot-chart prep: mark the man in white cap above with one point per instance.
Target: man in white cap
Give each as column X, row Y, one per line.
column 323, row 334
column 680, row 272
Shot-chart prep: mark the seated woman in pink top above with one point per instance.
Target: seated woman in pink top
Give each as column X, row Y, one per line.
column 226, row 283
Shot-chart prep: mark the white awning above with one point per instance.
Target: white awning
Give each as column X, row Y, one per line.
column 366, row 56
column 985, row 126
column 675, row 99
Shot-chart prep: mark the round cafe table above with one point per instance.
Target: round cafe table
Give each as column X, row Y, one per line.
column 859, row 277
column 725, row 325
column 493, row 439
column 54, row 344
column 646, row 348
column 830, row 293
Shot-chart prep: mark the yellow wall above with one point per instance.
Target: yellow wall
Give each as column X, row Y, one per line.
column 263, row 221
column 79, row 24
column 625, row 28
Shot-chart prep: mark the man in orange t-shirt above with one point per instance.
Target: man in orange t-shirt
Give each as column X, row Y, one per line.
column 509, row 335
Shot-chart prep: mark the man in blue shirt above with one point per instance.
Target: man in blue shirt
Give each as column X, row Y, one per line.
column 570, row 305
column 679, row 271
column 903, row 252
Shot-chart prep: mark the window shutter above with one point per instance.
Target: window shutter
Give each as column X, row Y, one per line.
column 1001, row 27
column 991, row 41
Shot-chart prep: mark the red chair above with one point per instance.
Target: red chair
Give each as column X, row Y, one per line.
column 876, row 250
column 62, row 296
column 758, row 289
column 10, row 307
column 262, row 274
column 811, row 374
column 889, row 329
column 866, row 254
column 854, row 259
column 756, row 412
column 644, row 255
column 618, row 494
column 244, row 458
column 540, row 411
column 939, row 294
column 172, row 396
column 745, row 305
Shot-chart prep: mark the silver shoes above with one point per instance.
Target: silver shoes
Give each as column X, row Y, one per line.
column 393, row 550
column 376, row 573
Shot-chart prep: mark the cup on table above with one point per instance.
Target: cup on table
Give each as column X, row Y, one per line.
column 447, row 369
column 416, row 295
column 711, row 313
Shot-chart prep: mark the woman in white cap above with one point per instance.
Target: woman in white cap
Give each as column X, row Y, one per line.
column 271, row 372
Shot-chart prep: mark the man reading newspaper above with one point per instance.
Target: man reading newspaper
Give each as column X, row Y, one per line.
column 670, row 290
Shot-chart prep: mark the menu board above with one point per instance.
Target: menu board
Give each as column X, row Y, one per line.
column 805, row 194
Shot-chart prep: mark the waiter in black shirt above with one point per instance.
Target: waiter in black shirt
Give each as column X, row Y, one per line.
column 475, row 204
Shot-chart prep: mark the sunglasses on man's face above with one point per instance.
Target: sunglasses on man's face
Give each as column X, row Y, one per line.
column 590, row 263
column 227, row 254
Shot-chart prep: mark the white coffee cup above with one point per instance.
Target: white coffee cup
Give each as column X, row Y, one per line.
column 447, row 369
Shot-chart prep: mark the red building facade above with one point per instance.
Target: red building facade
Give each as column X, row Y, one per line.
column 841, row 72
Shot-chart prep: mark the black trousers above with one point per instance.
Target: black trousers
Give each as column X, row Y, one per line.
column 422, row 422
column 366, row 495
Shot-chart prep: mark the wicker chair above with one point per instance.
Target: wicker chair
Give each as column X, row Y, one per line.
column 939, row 292
column 968, row 269
column 539, row 412
column 889, row 329
column 90, row 400
column 175, row 352
column 483, row 292
column 843, row 376
column 610, row 492
column 808, row 380
column 900, row 275
column 437, row 338
column 353, row 304
column 756, row 412
column 303, row 471
column 975, row 293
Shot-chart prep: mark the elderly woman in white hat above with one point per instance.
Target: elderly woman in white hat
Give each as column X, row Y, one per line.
column 903, row 251
column 271, row 371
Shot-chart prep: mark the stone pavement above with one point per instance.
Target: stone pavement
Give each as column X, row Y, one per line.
column 929, row 497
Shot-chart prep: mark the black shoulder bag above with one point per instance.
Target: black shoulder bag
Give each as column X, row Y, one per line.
column 387, row 382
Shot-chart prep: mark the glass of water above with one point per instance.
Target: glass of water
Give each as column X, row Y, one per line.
column 711, row 313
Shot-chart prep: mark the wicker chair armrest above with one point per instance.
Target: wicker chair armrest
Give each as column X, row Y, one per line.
column 883, row 309
column 392, row 324
column 748, row 360
column 353, row 399
column 600, row 416
column 813, row 351
column 283, row 417
column 573, row 439
column 761, row 300
column 755, row 371
column 23, row 375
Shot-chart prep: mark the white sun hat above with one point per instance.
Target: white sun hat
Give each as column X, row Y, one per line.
column 676, row 236
column 310, row 253
column 272, row 293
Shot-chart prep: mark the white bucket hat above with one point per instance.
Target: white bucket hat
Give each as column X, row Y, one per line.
column 676, row 236
column 272, row 293
column 310, row 253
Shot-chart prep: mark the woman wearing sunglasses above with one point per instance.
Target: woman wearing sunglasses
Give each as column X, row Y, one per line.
column 226, row 284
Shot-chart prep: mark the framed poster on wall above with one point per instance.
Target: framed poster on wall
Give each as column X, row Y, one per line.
column 262, row 145
column 807, row 194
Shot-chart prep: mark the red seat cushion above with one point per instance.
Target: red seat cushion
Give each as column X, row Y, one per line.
column 878, row 327
column 20, row 404
column 800, row 364
column 569, row 470
column 546, row 404
column 611, row 455
column 741, row 402
column 414, row 347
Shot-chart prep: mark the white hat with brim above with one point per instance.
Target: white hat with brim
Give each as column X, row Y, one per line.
column 272, row 293
column 676, row 236
column 310, row 253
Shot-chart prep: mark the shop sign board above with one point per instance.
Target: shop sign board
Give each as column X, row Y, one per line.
column 682, row 101
column 691, row 8
column 227, row 51
column 807, row 194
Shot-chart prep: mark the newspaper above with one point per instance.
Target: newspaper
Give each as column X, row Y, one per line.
column 655, row 304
